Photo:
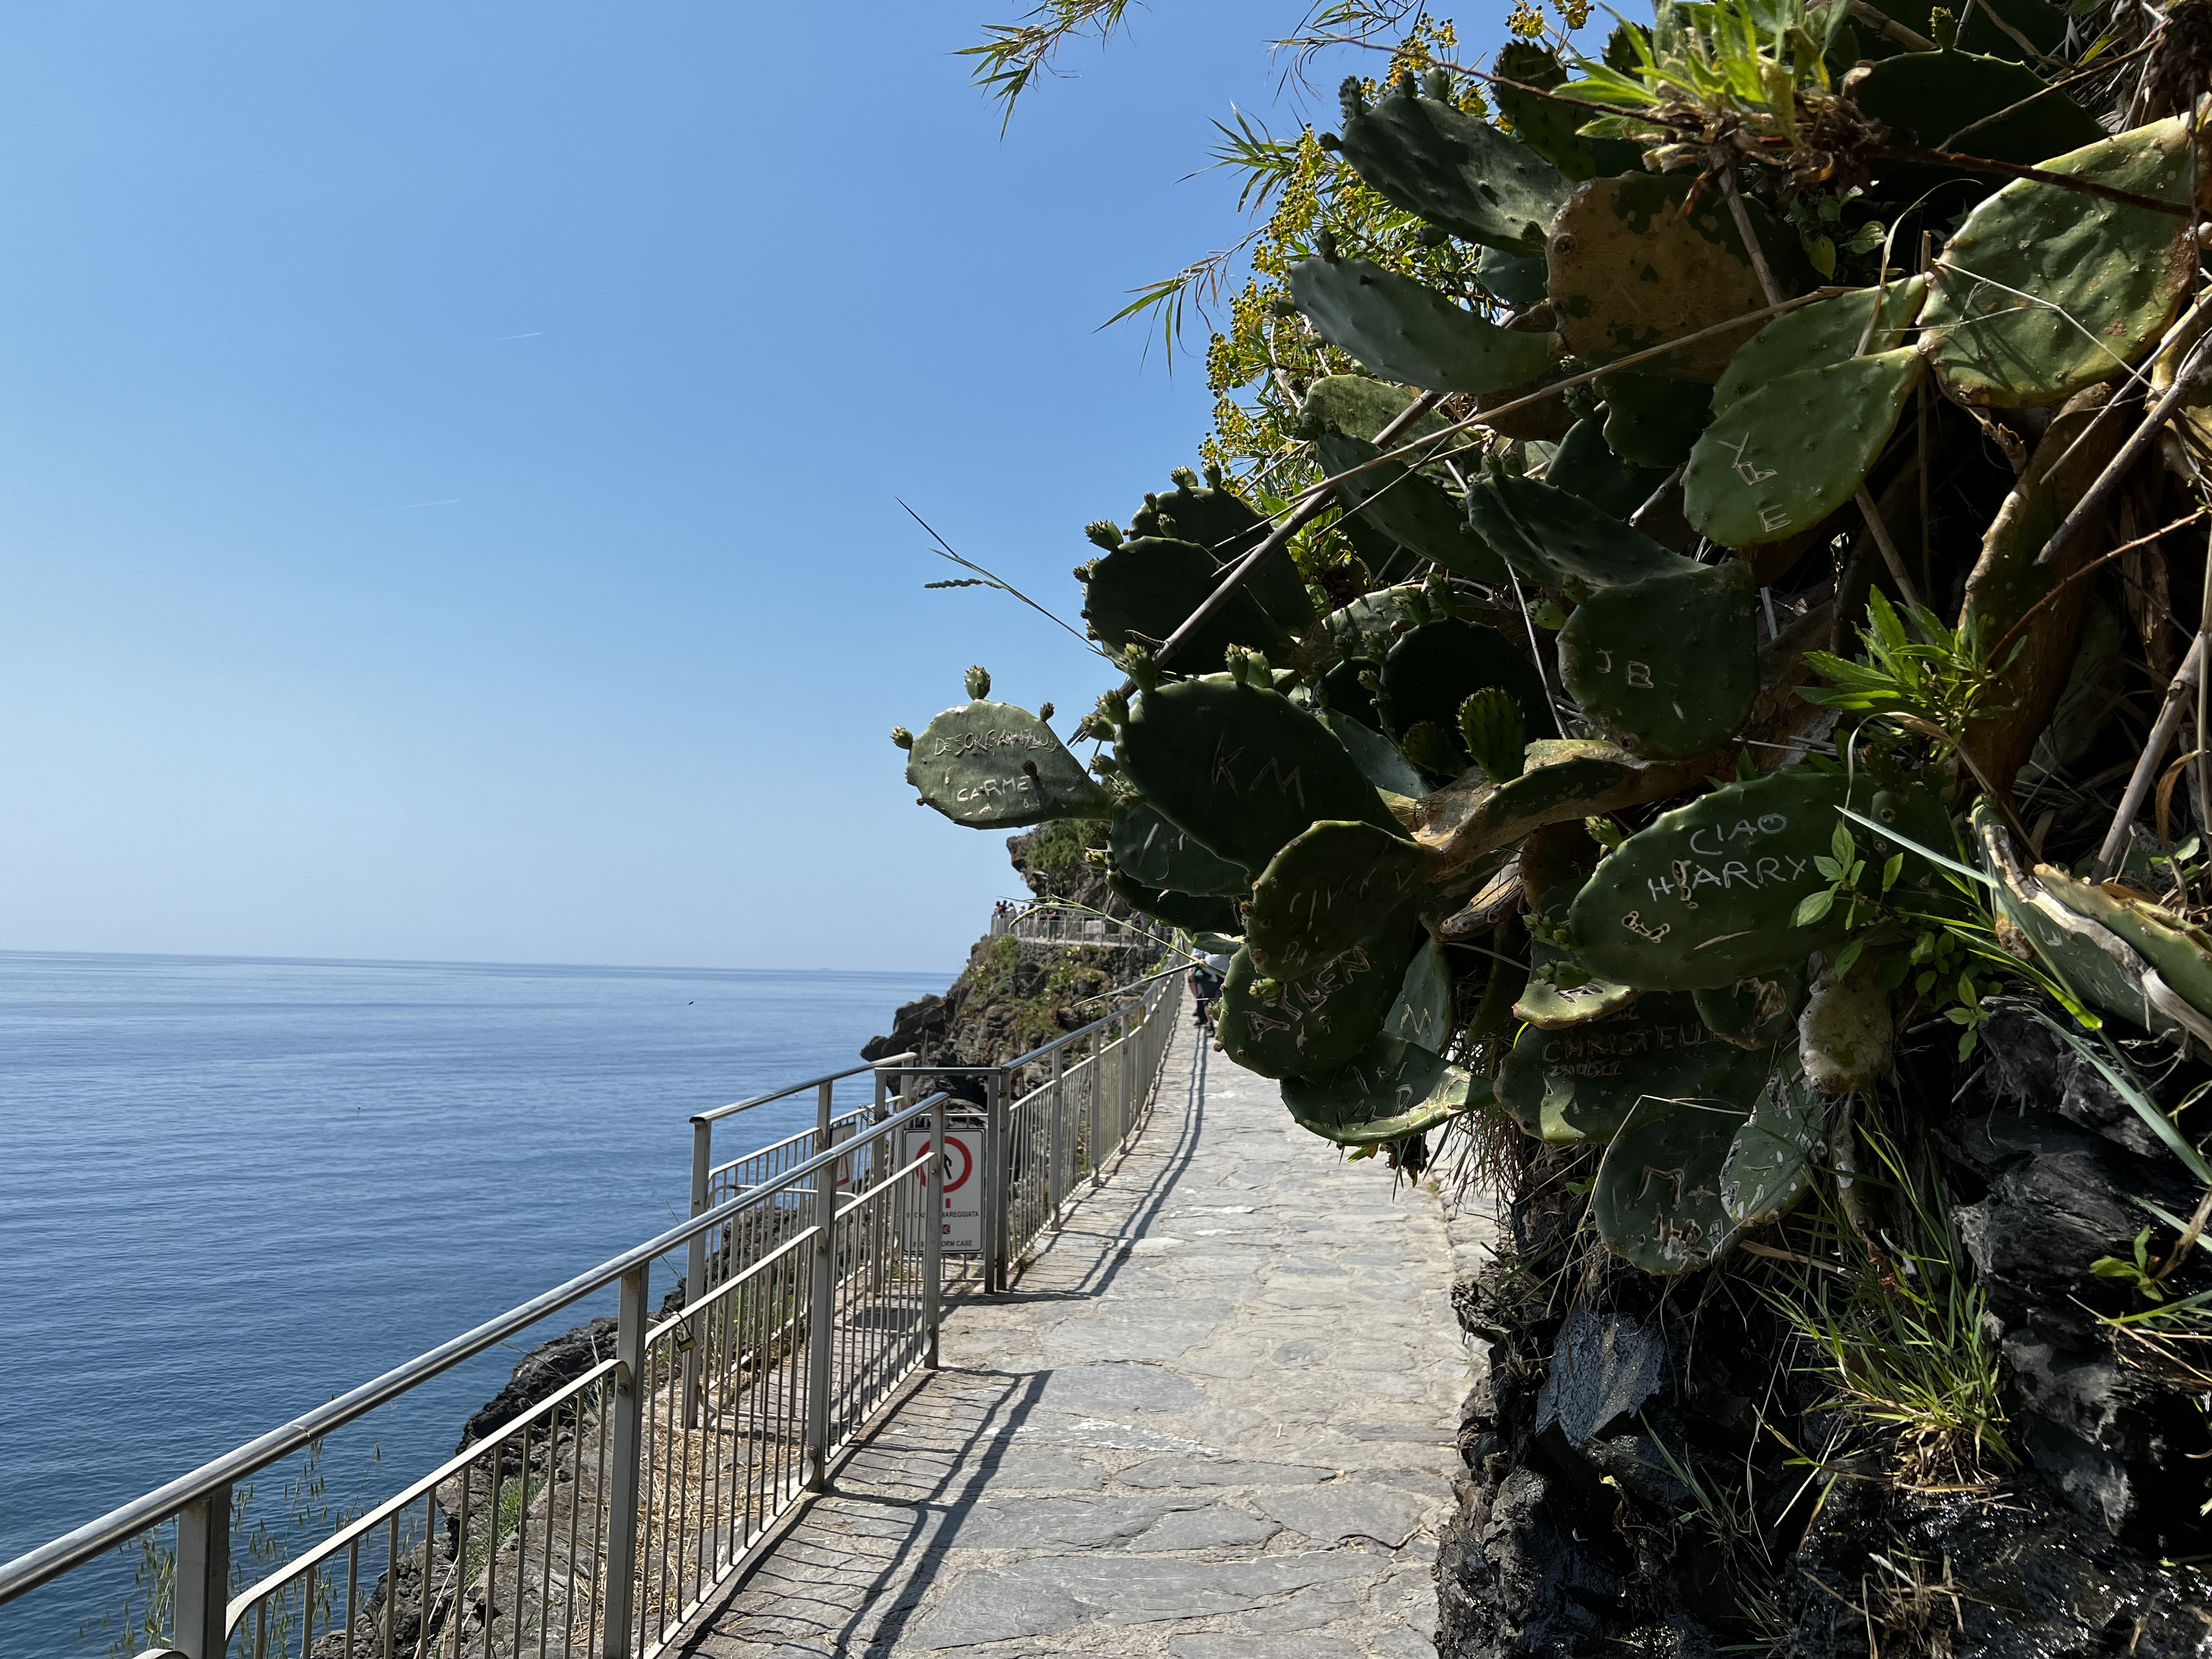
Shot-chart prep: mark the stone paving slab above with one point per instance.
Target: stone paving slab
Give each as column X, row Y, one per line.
column 1213, row 1419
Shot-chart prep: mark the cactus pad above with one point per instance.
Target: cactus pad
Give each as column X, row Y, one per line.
column 1512, row 279
column 1193, row 912
column 1432, row 671
column 1843, row 1035
column 1329, row 888
column 992, row 766
column 1629, row 270
column 1550, row 128
column 1423, row 1011
column 2180, row 951
column 1377, row 758
column 1390, row 1090
column 1652, row 419
column 1359, row 407
column 1783, row 457
column 1770, row 1163
column 1756, row 1012
column 1220, row 521
column 2110, row 277
column 1586, row 464
column 1409, row 509
column 1657, row 1201
column 1583, row 1083
column 1668, row 665
column 1821, row 336
column 1141, row 592
column 1565, row 778
column 1404, row 332
column 1241, row 769
column 1310, row 1024
column 1707, row 893
column 1145, row 847
column 1559, row 992
column 1493, row 728
column 1961, row 100
column 1455, row 172
column 1552, row 535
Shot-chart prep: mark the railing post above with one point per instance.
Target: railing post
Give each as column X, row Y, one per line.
column 1054, row 1189
column 932, row 1233
column 631, row 1389
column 202, row 1592
column 1090, row 1108
column 821, row 1310
column 1128, row 1077
column 695, row 1269
column 998, row 1162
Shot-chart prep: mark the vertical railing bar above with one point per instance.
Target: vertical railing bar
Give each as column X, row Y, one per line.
column 820, row 1311
column 202, row 1597
column 353, row 1587
column 695, row 1269
column 621, row 1497
column 932, row 1233
column 460, row 1563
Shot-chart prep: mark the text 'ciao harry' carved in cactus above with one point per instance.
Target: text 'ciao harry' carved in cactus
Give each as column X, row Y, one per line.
column 1691, row 874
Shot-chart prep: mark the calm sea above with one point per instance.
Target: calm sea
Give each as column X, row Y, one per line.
column 231, row 1188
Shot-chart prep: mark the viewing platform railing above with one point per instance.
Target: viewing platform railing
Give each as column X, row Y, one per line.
column 599, row 1520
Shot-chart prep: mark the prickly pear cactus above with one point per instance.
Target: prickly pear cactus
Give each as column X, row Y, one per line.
column 1598, row 767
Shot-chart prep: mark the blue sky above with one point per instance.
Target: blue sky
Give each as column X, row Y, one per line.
column 450, row 458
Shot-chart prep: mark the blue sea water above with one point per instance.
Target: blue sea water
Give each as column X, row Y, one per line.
column 232, row 1188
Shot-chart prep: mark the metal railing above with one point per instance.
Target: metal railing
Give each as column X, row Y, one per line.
column 599, row 1520
column 1045, row 922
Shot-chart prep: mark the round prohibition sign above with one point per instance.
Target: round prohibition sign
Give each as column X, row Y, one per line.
column 959, row 1164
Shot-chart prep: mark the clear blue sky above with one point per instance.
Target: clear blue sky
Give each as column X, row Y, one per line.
column 449, row 460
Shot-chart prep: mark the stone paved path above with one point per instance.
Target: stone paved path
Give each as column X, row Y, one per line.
column 1214, row 1417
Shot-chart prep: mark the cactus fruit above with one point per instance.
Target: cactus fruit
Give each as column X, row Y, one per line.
column 1585, row 464
column 1345, row 690
column 1404, row 332
column 1432, row 671
column 1141, row 592
column 1583, row 1083
column 1511, row 279
column 1359, row 407
column 1670, row 665
column 1708, row 894
column 1782, row 458
column 1220, row 522
column 1330, row 887
column 1629, row 269
column 1559, row 992
column 1390, row 1090
column 992, row 766
column 901, row 738
column 1550, row 128
column 1432, row 753
column 1843, row 1035
column 1193, row 912
column 1552, row 535
column 1409, row 509
column 2107, row 277
column 1757, row 1010
column 978, row 680
column 1423, row 1011
column 1452, row 170
column 1652, row 419
column 1242, row 769
column 1658, row 1201
column 1820, row 336
column 1494, row 729
column 1379, row 760
column 1149, row 850
column 1306, row 1026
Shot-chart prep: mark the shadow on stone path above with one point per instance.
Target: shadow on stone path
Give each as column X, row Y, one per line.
column 1214, row 1417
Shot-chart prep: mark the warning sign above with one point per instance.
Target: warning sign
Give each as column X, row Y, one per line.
column 962, row 1222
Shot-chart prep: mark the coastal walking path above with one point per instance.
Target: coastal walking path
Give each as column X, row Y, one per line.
column 1214, row 1417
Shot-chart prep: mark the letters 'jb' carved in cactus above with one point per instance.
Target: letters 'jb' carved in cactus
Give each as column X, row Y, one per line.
column 1670, row 665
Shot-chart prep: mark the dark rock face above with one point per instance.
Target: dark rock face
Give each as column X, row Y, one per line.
column 541, row 1373
column 1656, row 1468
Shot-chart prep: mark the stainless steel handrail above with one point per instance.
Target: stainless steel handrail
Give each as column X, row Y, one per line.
column 735, row 1107
column 29, row 1570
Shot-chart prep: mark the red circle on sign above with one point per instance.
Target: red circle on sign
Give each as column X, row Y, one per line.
column 957, row 1158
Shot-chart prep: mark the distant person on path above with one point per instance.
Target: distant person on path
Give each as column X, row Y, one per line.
column 1206, row 981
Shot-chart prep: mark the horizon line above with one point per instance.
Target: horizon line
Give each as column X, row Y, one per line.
column 437, row 962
